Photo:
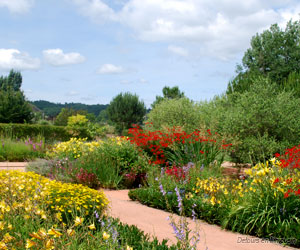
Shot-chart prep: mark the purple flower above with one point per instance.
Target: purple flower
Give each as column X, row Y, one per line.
column 179, row 233
column 96, row 215
column 179, row 200
column 162, row 189
column 193, row 212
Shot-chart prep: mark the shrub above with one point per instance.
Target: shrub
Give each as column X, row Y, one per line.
column 80, row 127
column 170, row 113
column 23, row 131
column 259, row 122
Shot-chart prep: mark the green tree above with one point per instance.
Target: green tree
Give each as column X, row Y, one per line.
column 13, row 107
column 62, row 118
column 175, row 112
column 103, row 116
column 168, row 93
column 13, row 80
column 65, row 113
column 126, row 109
column 275, row 53
column 259, row 122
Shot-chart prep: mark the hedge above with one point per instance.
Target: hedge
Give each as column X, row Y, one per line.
column 49, row 132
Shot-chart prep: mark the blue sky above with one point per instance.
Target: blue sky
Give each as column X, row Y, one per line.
column 91, row 50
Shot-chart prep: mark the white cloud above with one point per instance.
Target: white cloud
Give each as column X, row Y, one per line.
column 57, row 57
column 72, row 93
column 14, row 59
column 110, row 69
column 217, row 28
column 143, row 81
column 17, row 6
column 96, row 10
column 179, row 51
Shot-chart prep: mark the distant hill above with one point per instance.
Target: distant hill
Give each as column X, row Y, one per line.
column 52, row 109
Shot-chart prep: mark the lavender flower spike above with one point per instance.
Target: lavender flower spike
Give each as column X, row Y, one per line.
column 162, row 189
column 179, row 200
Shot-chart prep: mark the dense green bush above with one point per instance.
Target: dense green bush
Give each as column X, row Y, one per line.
column 175, row 112
column 259, row 122
column 124, row 110
column 50, row 133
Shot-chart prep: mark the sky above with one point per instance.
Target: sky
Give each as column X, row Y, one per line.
column 89, row 51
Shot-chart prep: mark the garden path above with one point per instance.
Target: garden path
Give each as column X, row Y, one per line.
column 13, row 166
column 153, row 221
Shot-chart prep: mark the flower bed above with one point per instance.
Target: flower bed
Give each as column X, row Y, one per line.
column 36, row 213
column 264, row 203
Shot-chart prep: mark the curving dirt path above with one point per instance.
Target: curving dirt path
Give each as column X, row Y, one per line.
column 153, row 221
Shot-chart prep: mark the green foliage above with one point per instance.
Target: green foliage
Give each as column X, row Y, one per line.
column 116, row 163
column 275, row 54
column 259, row 122
column 13, row 80
column 126, row 109
column 19, row 150
column 168, row 93
column 63, row 117
column 103, row 116
column 113, row 163
column 175, row 112
column 23, row 131
column 78, row 126
column 153, row 197
column 51, row 109
column 13, row 107
column 292, row 84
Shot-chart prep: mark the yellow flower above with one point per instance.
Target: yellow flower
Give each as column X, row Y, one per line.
column 55, row 233
column 78, row 221
column 70, row 232
column 7, row 238
column 92, row 227
column 226, row 192
column 3, row 246
column 129, row 248
column 105, row 235
column 29, row 244
column 42, row 232
column 36, row 236
column 49, row 244
column 58, row 216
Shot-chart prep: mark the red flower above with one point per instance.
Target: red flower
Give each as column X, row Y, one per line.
column 286, row 195
column 276, row 181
